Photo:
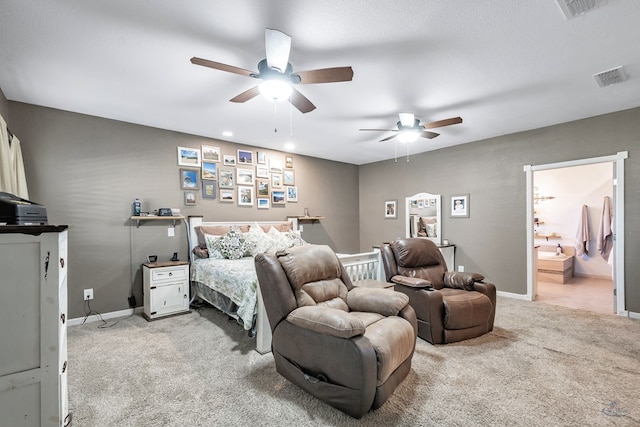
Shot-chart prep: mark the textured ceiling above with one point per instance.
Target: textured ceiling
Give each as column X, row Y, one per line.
column 503, row 66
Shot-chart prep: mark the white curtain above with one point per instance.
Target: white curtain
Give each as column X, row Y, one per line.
column 12, row 176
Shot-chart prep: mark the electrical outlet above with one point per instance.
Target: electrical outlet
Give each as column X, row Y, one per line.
column 170, row 232
column 88, row 294
column 461, row 268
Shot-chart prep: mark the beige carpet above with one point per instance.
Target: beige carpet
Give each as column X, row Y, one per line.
column 543, row 365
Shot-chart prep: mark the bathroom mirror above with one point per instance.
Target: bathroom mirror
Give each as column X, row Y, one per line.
column 424, row 217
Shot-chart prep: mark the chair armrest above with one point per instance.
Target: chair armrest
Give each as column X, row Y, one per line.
column 382, row 301
column 326, row 320
column 453, row 279
column 413, row 282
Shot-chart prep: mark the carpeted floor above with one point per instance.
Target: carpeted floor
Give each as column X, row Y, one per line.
column 543, row 365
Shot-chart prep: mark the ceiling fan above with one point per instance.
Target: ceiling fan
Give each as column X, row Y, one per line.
column 409, row 128
column 277, row 74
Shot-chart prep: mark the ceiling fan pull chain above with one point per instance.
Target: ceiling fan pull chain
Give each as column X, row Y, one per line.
column 395, row 151
column 275, row 117
column 290, row 120
column 407, row 152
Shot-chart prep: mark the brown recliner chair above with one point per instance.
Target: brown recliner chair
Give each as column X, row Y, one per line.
column 449, row 306
column 348, row 346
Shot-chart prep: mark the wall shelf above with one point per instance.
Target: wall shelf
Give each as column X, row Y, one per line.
column 311, row 219
column 139, row 219
column 547, row 236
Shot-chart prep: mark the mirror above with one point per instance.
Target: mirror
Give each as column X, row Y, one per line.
column 423, row 216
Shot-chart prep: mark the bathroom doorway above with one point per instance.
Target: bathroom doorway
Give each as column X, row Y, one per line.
column 562, row 228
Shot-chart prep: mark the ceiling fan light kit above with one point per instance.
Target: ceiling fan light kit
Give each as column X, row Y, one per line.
column 275, row 90
column 408, row 136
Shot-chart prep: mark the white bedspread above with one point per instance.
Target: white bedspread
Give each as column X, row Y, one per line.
column 235, row 278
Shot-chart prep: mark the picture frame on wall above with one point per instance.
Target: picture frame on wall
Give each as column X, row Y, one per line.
column 460, row 206
column 210, row 153
column 289, row 177
column 263, row 202
column 391, row 209
column 245, row 157
column 292, row 194
column 276, row 165
column 189, row 198
column 245, row 196
column 244, row 176
column 208, row 189
column 189, row 156
column 278, row 197
column 262, row 158
column 209, row 170
column 227, row 195
column 263, row 187
column 288, row 162
column 227, row 178
column 229, row 160
column 262, row 171
column 276, row 180
column 189, row 179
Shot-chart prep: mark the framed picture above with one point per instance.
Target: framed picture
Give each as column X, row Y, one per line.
column 390, row 209
column 262, row 187
column 188, row 156
column 245, row 157
column 208, row 189
column 227, row 178
column 209, row 170
column 292, row 194
column 245, row 196
column 289, row 177
column 189, row 179
column 288, row 162
column 460, row 206
column 262, row 171
column 263, row 202
column 190, row 198
column 262, row 158
column 244, row 176
column 277, row 197
column 229, row 160
column 276, row 180
column 275, row 165
column 226, row 195
column 210, row 153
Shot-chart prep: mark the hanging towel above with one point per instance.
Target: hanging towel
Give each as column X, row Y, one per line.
column 605, row 232
column 583, row 236
column 12, row 175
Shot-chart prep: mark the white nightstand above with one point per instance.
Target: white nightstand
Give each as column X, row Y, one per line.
column 165, row 286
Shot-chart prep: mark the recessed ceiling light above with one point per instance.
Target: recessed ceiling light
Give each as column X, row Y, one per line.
column 289, row 146
column 227, row 133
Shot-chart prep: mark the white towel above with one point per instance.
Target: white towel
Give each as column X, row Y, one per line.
column 583, row 236
column 605, row 232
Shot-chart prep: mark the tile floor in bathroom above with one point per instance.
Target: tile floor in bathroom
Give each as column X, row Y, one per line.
column 579, row 292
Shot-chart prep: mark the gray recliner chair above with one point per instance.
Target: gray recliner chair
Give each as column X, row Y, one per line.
column 348, row 346
column 450, row 306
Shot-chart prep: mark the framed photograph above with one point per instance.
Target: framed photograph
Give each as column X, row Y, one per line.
column 276, row 180
column 460, row 206
column 292, row 194
column 189, row 179
column 390, row 209
column 188, row 156
column 208, row 189
column 289, row 177
column 262, row 171
column 288, row 162
column 262, row 187
column 227, row 178
column 263, row 202
column 190, row 198
column 276, row 166
column 210, row 153
column 277, row 197
column 244, row 176
column 209, row 170
column 245, row 157
column 245, row 196
column 226, row 195
column 229, row 160
column 262, row 158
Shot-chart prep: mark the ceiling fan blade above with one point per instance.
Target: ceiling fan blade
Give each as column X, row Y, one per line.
column 301, row 102
column 220, row 66
column 407, row 119
column 278, row 46
column 428, row 135
column 381, row 130
column 326, row 75
column 389, row 137
column 246, row 95
column 442, row 123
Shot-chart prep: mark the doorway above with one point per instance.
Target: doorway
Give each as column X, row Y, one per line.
column 617, row 163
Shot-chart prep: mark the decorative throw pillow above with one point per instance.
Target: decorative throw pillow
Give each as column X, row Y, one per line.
column 212, row 249
column 294, row 238
column 232, row 245
column 257, row 240
column 279, row 241
column 431, row 230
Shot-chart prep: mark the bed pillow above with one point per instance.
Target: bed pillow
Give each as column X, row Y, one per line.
column 212, row 249
column 282, row 227
column 257, row 240
column 279, row 241
column 232, row 245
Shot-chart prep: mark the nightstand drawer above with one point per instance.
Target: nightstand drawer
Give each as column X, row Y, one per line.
column 169, row 273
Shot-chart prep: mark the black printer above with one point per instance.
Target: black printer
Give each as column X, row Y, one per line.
column 17, row 211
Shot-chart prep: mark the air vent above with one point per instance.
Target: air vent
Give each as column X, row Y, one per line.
column 611, row 77
column 574, row 8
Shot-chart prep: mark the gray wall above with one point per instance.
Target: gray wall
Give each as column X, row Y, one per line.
column 493, row 240
column 88, row 170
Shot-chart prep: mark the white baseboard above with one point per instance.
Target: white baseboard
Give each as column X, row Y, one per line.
column 633, row 315
column 512, row 295
column 105, row 316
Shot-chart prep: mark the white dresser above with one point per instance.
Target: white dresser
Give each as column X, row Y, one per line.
column 33, row 320
column 165, row 286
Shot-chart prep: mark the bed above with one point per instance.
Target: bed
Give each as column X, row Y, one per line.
column 231, row 285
